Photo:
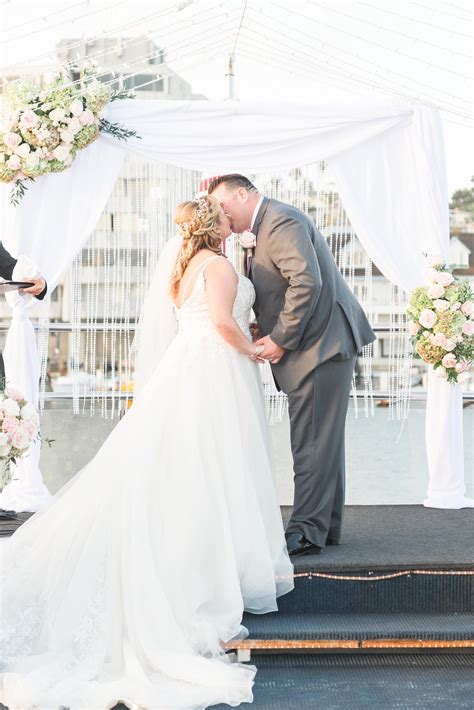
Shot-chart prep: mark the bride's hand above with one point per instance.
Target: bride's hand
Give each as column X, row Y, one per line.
column 255, row 355
column 254, row 330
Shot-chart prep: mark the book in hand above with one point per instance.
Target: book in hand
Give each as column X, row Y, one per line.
column 13, row 285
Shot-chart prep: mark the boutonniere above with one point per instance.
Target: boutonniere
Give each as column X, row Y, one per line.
column 248, row 240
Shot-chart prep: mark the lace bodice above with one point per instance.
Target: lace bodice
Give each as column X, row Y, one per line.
column 194, row 316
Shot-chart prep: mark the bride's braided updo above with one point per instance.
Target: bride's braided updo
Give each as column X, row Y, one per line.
column 198, row 221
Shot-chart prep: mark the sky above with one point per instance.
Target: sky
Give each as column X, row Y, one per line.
column 294, row 50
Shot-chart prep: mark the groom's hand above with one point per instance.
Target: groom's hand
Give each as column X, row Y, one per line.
column 272, row 352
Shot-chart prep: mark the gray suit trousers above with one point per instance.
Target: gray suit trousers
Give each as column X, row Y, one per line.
column 317, row 410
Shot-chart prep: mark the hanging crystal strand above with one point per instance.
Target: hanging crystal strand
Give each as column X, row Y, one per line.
column 408, row 363
column 75, row 337
column 368, row 350
column 42, row 345
column 391, row 353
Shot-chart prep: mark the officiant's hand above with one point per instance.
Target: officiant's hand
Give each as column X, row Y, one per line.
column 38, row 287
column 254, row 330
column 272, row 352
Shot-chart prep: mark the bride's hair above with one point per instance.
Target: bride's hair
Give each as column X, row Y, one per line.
column 199, row 222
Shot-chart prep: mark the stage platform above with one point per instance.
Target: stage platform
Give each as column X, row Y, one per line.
column 383, row 620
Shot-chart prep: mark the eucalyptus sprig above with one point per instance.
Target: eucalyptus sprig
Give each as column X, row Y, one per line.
column 116, row 130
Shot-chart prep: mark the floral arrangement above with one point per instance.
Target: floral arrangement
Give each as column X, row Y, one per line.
column 441, row 322
column 42, row 128
column 18, row 429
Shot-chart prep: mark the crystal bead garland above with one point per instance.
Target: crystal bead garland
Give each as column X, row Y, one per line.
column 110, row 278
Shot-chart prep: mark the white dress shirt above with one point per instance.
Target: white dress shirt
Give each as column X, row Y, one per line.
column 255, row 212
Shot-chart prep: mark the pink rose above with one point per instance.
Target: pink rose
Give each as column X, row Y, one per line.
column 449, row 360
column 449, row 344
column 441, row 304
column 467, row 308
column 413, row 327
column 428, row 318
column 455, row 306
column 439, row 339
column 445, row 278
column 435, row 291
column 248, row 239
column 86, row 117
column 10, row 425
column 12, row 140
column 28, row 119
column 461, row 366
column 13, row 394
column 468, row 327
column 436, row 260
column 14, row 162
column 29, row 426
column 20, row 439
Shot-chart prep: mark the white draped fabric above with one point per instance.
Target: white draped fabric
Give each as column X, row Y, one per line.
column 387, row 155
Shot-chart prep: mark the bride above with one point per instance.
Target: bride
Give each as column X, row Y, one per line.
column 124, row 588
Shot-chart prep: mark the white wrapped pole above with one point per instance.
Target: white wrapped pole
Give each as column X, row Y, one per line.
column 444, row 445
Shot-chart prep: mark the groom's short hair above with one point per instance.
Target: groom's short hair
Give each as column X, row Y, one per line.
column 232, row 180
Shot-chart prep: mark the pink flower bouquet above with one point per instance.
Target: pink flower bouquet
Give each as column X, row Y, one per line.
column 441, row 322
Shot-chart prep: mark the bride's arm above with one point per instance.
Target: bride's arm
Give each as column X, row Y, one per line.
column 221, row 288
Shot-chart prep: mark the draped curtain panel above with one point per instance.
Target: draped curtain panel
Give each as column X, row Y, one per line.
column 388, row 158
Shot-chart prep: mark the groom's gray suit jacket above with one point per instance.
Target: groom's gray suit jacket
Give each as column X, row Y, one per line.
column 302, row 300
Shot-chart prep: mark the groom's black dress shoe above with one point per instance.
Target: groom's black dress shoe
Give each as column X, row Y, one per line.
column 297, row 544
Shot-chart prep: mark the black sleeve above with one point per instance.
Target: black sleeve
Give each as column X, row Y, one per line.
column 7, row 263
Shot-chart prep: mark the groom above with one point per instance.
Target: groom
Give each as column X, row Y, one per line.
column 313, row 328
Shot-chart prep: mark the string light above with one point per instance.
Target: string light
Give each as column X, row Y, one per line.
column 375, row 44
column 65, row 22
column 364, row 21
column 415, row 19
column 356, row 57
column 44, row 17
column 170, row 48
column 250, row 53
column 102, row 35
column 443, row 12
column 361, row 80
column 351, row 66
column 240, row 26
column 133, row 42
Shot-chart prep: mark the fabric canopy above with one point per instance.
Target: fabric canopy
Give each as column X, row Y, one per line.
column 387, row 155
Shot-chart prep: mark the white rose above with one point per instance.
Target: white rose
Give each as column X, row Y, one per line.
column 449, row 344
column 441, row 372
column 61, row 152
column 3, row 439
column 67, row 136
column 10, row 407
column 32, row 158
column 441, row 304
column 23, row 150
column 74, row 126
column 56, row 115
column 456, row 306
column 76, row 107
column 29, row 412
column 5, row 450
column 462, row 377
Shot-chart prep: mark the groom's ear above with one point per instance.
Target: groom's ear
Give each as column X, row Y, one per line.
column 243, row 194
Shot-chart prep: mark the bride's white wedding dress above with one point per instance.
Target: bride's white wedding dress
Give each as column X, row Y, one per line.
column 123, row 588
